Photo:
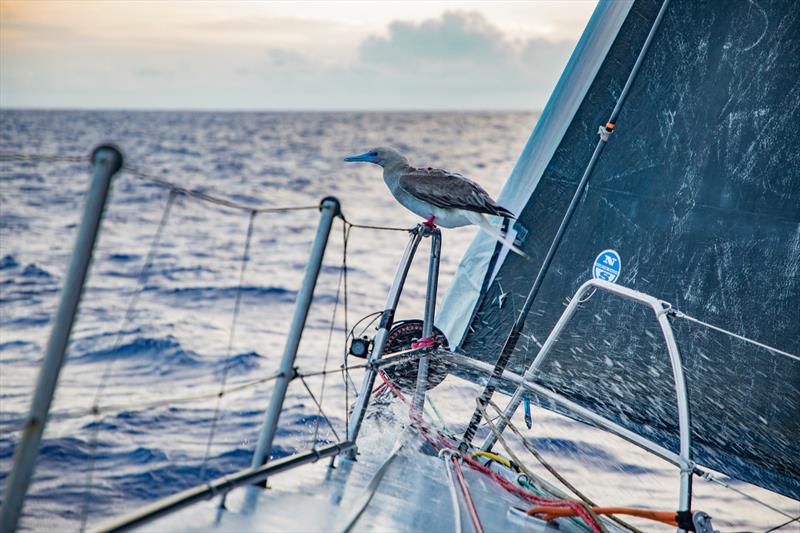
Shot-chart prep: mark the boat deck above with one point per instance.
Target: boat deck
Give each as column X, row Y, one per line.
column 414, row 494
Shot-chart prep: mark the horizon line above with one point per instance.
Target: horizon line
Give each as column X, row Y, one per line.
column 270, row 110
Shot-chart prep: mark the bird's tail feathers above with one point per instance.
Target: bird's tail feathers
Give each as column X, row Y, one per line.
column 481, row 221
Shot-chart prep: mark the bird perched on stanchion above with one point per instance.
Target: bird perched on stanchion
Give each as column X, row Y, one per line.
column 442, row 198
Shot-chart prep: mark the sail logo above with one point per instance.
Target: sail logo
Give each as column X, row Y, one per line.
column 607, row 266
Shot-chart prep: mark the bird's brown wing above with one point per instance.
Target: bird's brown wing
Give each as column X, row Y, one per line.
column 448, row 190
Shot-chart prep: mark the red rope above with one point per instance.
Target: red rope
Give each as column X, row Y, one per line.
column 473, row 512
column 426, row 431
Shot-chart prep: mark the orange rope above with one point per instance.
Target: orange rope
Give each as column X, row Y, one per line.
column 551, row 513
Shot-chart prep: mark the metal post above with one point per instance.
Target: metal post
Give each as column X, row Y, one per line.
column 430, row 314
column 106, row 161
column 387, row 319
column 682, row 400
column 329, row 210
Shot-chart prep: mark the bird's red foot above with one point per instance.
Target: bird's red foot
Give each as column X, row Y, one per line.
column 425, row 342
column 429, row 222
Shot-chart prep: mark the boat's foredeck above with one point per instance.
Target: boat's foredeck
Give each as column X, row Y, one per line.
column 413, row 494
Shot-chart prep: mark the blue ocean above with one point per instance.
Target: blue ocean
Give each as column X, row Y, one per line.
column 155, row 375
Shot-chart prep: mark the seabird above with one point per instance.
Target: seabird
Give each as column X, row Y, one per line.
column 444, row 198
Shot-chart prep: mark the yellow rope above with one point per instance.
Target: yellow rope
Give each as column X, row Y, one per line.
column 495, row 457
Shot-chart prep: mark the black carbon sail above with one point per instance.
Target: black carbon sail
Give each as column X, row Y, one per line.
column 698, row 196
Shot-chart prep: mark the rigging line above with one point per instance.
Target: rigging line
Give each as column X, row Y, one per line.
column 319, row 406
column 379, row 228
column 779, row 526
column 16, row 156
column 345, row 373
column 328, row 353
column 710, row 477
column 118, row 408
column 681, row 314
column 36, row 158
column 231, row 336
column 140, row 281
column 331, row 371
column 516, row 330
column 198, row 195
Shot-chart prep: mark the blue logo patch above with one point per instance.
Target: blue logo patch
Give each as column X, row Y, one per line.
column 607, row 266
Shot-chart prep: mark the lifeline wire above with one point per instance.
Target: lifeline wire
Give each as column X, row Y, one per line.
column 779, row 526
column 166, row 402
column 709, row 477
column 380, row 228
column 231, row 336
column 142, row 278
column 44, row 158
column 680, row 314
column 192, row 193
column 345, row 373
column 319, row 406
column 210, row 198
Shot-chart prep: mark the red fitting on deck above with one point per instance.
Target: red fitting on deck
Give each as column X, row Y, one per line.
column 429, row 222
column 425, row 342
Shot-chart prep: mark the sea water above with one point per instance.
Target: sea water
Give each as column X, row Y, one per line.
column 175, row 345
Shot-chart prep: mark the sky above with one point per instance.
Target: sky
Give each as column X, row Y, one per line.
column 249, row 55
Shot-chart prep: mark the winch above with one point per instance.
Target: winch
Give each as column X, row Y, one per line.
column 402, row 336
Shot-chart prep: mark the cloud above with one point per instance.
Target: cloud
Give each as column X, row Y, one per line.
column 459, row 37
column 458, row 60
column 463, row 54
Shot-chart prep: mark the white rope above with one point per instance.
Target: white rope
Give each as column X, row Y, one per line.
column 452, row 486
column 680, row 314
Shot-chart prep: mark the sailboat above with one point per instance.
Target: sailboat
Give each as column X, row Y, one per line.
column 659, row 201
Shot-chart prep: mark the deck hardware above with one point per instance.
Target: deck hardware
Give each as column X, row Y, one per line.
column 416, row 235
column 658, row 308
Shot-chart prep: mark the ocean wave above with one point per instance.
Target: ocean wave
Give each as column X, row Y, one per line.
column 162, row 355
column 241, row 363
column 217, row 293
column 32, row 270
column 8, row 261
column 171, row 478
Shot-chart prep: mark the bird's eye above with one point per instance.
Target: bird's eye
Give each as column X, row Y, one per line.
column 373, row 153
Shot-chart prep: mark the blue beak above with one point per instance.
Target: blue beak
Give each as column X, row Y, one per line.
column 366, row 157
